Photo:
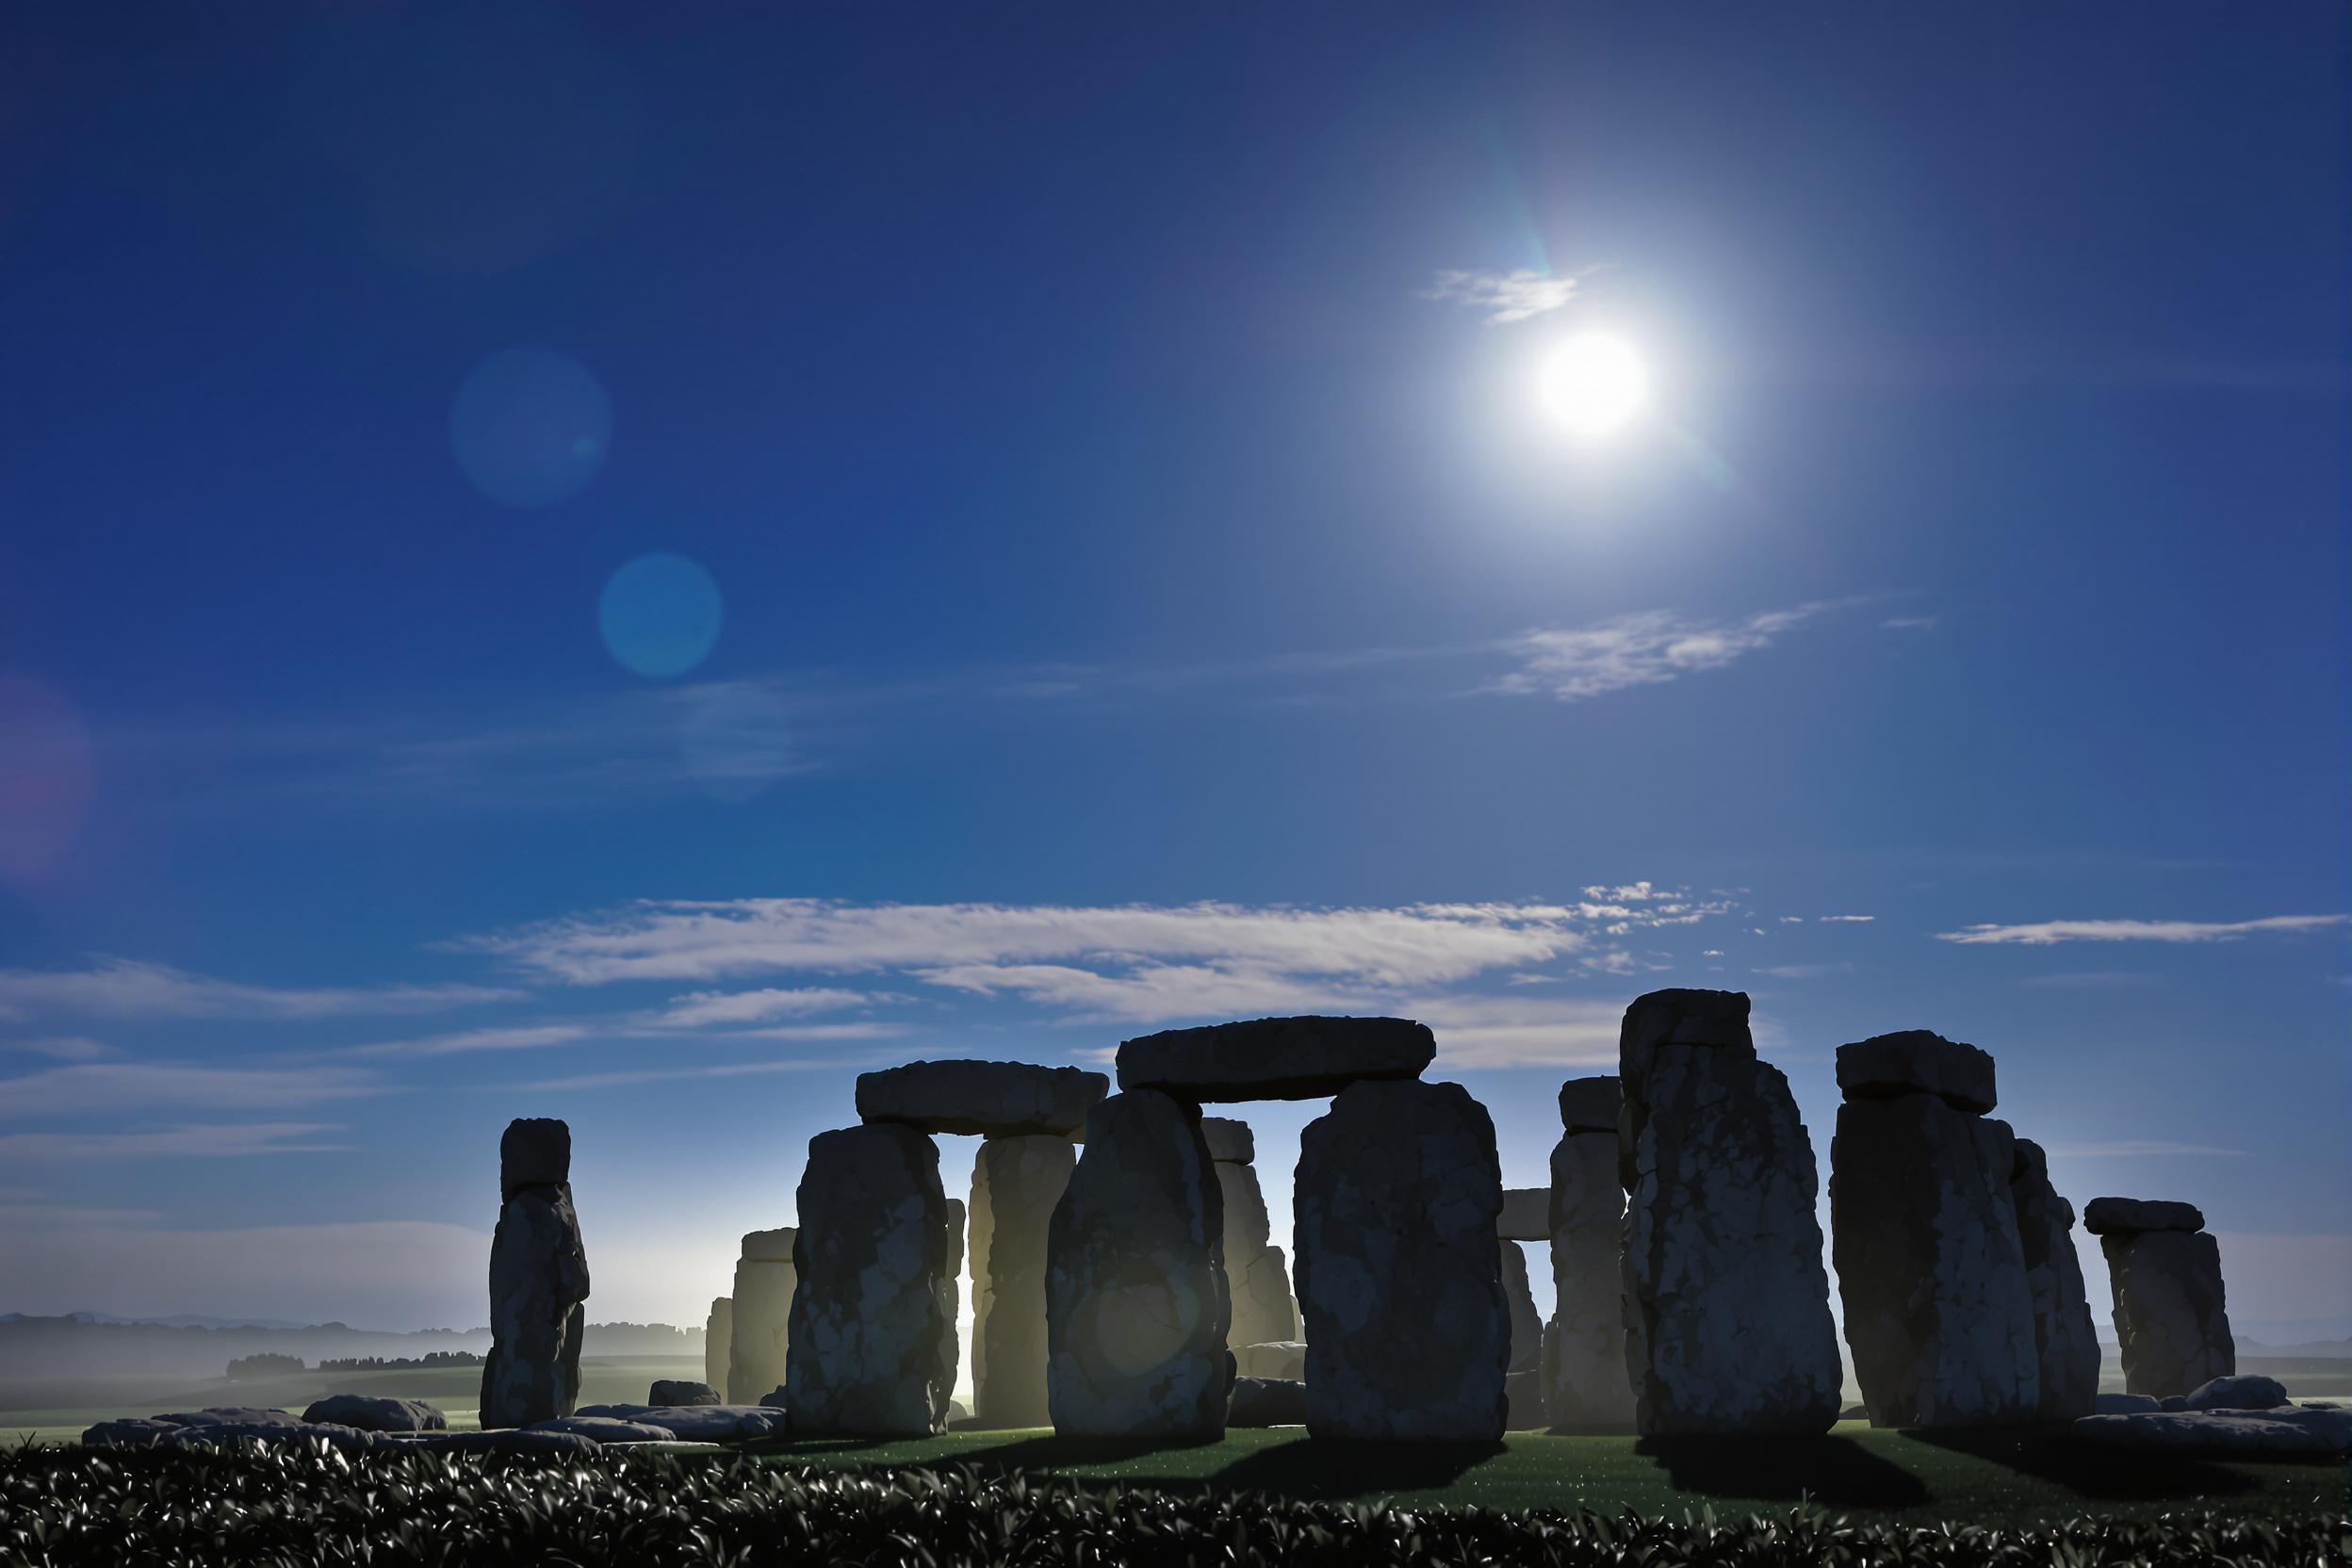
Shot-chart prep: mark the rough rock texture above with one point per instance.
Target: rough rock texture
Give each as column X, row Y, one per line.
column 1939, row 1315
column 759, row 1326
column 1282, row 1360
column 606, row 1429
column 2137, row 1216
column 675, row 1392
column 1526, row 1214
column 1247, row 1227
column 1727, row 1320
column 1527, row 1325
column 1136, row 1297
column 1591, row 1104
column 2171, row 1314
column 1399, row 1272
column 2065, row 1342
column 538, row 1281
column 2121, row 1404
column 228, row 1427
column 371, row 1414
column 1918, row 1061
column 1584, row 1343
column 700, row 1423
column 1228, row 1141
column 1267, row 1402
column 1263, row 1308
column 990, row 1098
column 873, row 1320
column 2246, row 1392
column 2288, row 1430
column 1015, row 1183
column 718, row 1340
column 949, row 1292
column 1276, row 1059
column 774, row 1398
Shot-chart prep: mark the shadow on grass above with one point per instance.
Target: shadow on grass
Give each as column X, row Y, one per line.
column 1324, row 1467
column 2049, row 1454
column 1833, row 1470
column 1056, row 1453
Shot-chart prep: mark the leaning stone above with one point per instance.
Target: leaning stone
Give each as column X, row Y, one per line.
column 2137, row 1216
column 373, row 1415
column 987, row 1099
column 2171, row 1313
column 1938, row 1311
column 1399, row 1272
column 538, row 1286
column 1276, row 1059
column 1591, row 1104
column 2246, row 1393
column 873, row 1331
column 606, row 1429
column 1284, row 1361
column 669, row 1392
column 534, row 1151
column 1267, row 1402
column 1728, row 1325
column 1135, row 1296
column 1526, row 1214
column 759, row 1327
column 1229, row 1141
column 2065, row 1343
column 1527, row 1327
column 718, row 1336
column 1015, row 1184
column 2270, row 1431
column 1918, row 1061
column 1584, row 1345
column 2121, row 1404
column 1264, row 1309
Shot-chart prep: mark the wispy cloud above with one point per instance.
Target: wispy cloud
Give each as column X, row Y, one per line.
column 64, row 1047
column 204, row 1142
column 2135, row 1149
column 468, row 1041
column 2046, row 933
column 1648, row 648
column 699, row 1008
column 1909, row 623
column 1505, row 296
column 120, row 1086
column 1844, row 920
column 129, row 989
column 1493, row 1032
column 1804, row 972
column 669, row 1075
column 2090, row 979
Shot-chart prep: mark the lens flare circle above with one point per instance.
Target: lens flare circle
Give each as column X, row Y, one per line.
column 1594, row 384
column 529, row 427
column 660, row 615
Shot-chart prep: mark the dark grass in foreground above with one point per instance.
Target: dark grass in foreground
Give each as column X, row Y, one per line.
column 291, row 1504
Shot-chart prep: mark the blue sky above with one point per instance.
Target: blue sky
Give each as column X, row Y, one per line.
column 581, row 562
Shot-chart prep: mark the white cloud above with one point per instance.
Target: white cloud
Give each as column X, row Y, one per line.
column 698, row 1008
column 467, row 1041
column 2046, row 933
column 1505, row 297
column 1645, row 648
column 112, row 1087
column 1804, row 972
column 1489, row 1032
column 128, row 989
column 259, row 1137
column 1153, row 992
column 1844, row 920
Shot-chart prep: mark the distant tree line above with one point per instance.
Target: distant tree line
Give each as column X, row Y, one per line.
column 381, row 1363
column 266, row 1364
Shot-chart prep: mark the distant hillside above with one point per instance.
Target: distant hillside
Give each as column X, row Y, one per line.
column 86, row 1345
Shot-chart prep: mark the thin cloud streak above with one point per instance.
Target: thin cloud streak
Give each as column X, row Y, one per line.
column 2049, row 931
column 1505, row 297
column 113, row 1087
column 1648, row 648
column 129, row 989
column 185, row 1141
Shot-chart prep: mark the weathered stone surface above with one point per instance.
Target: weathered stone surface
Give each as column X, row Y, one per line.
column 1522, row 1401
column 989, row 1099
column 534, row 1151
column 2246, row 1393
column 1229, row 1141
column 1267, row 1402
column 700, row 1423
column 873, row 1331
column 2171, row 1314
column 227, row 1425
column 2121, row 1404
column 606, row 1429
column 1015, row 1184
column 371, row 1414
column 2065, row 1339
column 1282, row 1360
column 228, row 1434
column 1584, row 1343
column 1276, row 1059
column 1591, row 1104
column 949, row 1291
column 1526, row 1214
column 1728, row 1326
column 2105, row 1217
column 538, row 1283
column 776, row 1399
column 1247, row 1227
column 718, row 1337
column 1263, row 1308
column 1918, row 1061
column 668, row 1390
column 1400, row 1271
column 760, row 1322
column 2288, row 1430
column 1938, row 1311
column 1135, row 1296
column 1527, row 1325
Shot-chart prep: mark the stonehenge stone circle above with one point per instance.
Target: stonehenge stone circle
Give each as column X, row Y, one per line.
column 1400, row 1271
column 1135, row 1296
column 369, row 1413
column 1728, row 1321
column 1015, row 1183
column 538, row 1280
column 2171, row 1314
column 2065, row 1343
column 760, row 1322
column 1584, row 1343
column 718, row 1335
column 989, row 1099
column 1256, row 1274
column 1276, row 1059
column 873, row 1325
column 1526, row 1214
column 1939, row 1315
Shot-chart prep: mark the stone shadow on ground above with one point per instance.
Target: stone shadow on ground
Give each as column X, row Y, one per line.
column 1834, row 1470
column 1056, row 1453
column 2112, row 1474
column 1328, row 1468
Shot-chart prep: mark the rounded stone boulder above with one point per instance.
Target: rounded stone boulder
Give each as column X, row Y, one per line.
column 2237, row 1392
column 371, row 1414
column 1276, row 1059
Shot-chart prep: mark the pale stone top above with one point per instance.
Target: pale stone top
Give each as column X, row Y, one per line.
column 1918, row 1061
column 1526, row 1214
column 1276, row 1059
column 1590, row 1104
column 770, row 1246
column 1228, row 1141
column 535, row 1152
column 992, row 1099
column 2131, row 1216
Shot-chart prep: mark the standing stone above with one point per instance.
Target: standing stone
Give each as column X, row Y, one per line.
column 2171, row 1314
column 1728, row 1321
column 873, row 1318
column 1135, row 1298
column 1016, row 1182
column 538, row 1281
column 1940, row 1314
column 1255, row 1271
column 1263, row 1303
column 1527, row 1324
column 718, row 1335
column 1399, row 1272
column 760, row 1331
column 1584, row 1343
column 949, row 1290
column 2065, row 1344
column 1276, row 1059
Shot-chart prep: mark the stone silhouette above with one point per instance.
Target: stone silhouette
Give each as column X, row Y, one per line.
column 1584, row 1343
column 2171, row 1314
column 1255, row 1270
column 1728, row 1321
column 998, row 1100
column 1938, row 1314
column 759, row 1326
column 718, row 1336
column 2065, row 1343
column 1015, row 1183
column 1275, row 1058
column 538, row 1280
column 1135, row 1296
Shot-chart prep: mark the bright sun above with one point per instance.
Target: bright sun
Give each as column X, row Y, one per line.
column 1593, row 383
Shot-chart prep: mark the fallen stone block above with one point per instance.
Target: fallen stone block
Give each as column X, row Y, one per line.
column 2122, row 1404
column 2289, row 1430
column 673, row 1392
column 371, row 1414
column 606, row 1429
column 2249, row 1392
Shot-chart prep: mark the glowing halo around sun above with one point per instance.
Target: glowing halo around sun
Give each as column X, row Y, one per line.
column 1594, row 384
